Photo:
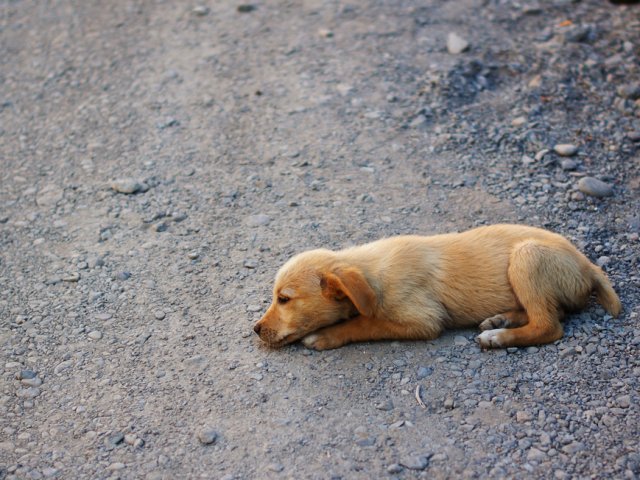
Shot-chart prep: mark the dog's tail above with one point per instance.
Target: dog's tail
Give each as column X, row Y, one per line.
column 605, row 294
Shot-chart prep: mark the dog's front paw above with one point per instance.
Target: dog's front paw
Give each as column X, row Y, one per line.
column 497, row 321
column 320, row 341
column 491, row 338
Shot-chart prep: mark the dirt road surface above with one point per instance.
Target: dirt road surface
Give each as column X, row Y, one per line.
column 159, row 160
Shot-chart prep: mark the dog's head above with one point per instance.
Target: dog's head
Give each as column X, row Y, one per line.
column 313, row 290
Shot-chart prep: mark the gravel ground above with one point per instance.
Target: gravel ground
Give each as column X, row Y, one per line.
column 160, row 160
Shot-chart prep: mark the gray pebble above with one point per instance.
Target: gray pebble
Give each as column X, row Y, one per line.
column 95, row 335
column 602, row 261
column 123, row 275
column 31, row 382
column 207, row 436
column 159, row 314
column 565, row 149
column 536, row 455
column 624, row 401
column 258, row 220
column 573, row 447
column 126, row 185
column 254, row 308
column 49, row 195
column 568, row 164
column 456, row 44
column 275, row 467
column 522, row 416
column 26, row 374
column 417, row 462
column 200, row 11
column 594, row 187
column 193, row 255
column 394, row 468
column 460, row 340
column 424, row 372
column 250, row 263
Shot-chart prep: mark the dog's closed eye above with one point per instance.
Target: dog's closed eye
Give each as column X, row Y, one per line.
column 282, row 299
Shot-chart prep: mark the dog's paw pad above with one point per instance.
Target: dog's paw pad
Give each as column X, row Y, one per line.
column 491, row 338
column 491, row 323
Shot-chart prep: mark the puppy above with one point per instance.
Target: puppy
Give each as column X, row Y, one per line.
column 514, row 282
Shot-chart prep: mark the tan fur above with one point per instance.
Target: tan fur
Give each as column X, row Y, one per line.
column 514, row 282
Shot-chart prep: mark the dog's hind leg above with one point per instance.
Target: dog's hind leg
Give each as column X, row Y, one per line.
column 546, row 278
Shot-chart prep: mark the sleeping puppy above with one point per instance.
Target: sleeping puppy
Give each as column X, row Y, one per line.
column 514, row 282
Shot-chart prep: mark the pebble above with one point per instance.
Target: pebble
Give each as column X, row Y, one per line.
column 631, row 91
column 594, row 187
column 394, row 468
column 95, row 335
column 275, row 467
column 456, row 44
column 250, row 263
column 449, row 403
column 254, row 308
column 246, row 8
column 200, row 10
column 424, row 372
column 603, row 260
column 536, row 455
column 124, row 275
column 573, row 447
column 522, row 417
column 31, row 382
column 258, row 220
column 565, row 149
column 624, row 401
column 325, row 33
column 31, row 392
column 193, row 255
column 26, row 374
column 116, row 466
column 633, row 136
column 115, row 439
column 126, row 185
column 159, row 314
column 416, row 462
column 207, row 436
column 460, row 340
column 71, row 277
column 568, row 165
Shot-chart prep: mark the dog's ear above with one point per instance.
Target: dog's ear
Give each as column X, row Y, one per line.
column 349, row 282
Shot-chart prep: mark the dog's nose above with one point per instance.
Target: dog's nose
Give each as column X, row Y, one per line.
column 257, row 328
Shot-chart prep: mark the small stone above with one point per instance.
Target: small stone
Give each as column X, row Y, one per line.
column 275, row 467
column 258, row 220
column 624, row 401
column 159, row 314
column 417, row 462
column 602, row 261
column 31, row 392
column 26, row 374
column 207, row 436
column 130, row 438
column 394, row 468
column 424, row 372
column 518, row 121
column 633, row 136
column 565, row 149
column 126, row 185
column 254, row 308
column 251, row 263
column 631, row 92
column 124, row 275
column 246, row 8
column 325, row 33
column 95, row 335
column 449, row 403
column 193, row 255
column 456, row 44
column 460, row 340
column 568, row 164
column 115, row 439
column 540, row 155
column 573, row 447
column 116, row 466
column 536, row 455
column 200, row 10
column 594, row 187
column 31, row 382
column 522, row 417
column 71, row 277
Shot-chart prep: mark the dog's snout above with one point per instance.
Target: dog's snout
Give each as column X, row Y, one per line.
column 257, row 327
